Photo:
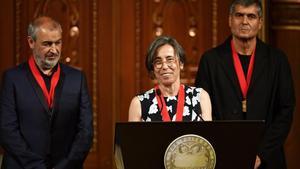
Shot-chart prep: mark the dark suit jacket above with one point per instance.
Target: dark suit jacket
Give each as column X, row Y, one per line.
column 270, row 95
column 35, row 137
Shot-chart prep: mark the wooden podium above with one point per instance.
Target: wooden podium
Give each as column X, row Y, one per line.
column 144, row 144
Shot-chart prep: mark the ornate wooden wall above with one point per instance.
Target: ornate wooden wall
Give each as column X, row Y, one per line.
column 193, row 23
column 108, row 40
column 285, row 34
column 196, row 24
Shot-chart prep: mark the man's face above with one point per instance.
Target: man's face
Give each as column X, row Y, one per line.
column 245, row 22
column 47, row 47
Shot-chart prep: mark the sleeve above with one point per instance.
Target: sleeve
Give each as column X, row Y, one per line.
column 83, row 139
column 10, row 136
column 279, row 125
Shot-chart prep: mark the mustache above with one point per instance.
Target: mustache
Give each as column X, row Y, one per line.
column 245, row 27
column 51, row 54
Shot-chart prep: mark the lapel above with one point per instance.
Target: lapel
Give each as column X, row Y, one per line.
column 58, row 90
column 261, row 54
column 39, row 92
column 226, row 60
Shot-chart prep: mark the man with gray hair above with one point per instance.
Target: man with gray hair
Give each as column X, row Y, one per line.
column 45, row 108
column 250, row 80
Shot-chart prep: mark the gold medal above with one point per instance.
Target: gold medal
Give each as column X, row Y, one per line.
column 244, row 105
column 188, row 152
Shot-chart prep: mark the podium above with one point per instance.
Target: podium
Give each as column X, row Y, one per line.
column 228, row 144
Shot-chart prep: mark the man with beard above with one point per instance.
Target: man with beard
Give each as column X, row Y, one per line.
column 45, row 109
column 250, row 80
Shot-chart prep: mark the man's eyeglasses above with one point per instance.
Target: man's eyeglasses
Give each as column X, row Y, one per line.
column 158, row 62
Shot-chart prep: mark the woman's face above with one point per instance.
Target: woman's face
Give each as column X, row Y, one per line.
column 167, row 66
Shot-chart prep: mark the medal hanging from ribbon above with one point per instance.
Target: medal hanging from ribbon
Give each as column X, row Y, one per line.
column 163, row 107
column 38, row 77
column 244, row 83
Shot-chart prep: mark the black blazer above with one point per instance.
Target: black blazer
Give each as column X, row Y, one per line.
column 270, row 95
column 35, row 137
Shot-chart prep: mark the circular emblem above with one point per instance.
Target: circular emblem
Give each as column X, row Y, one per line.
column 190, row 152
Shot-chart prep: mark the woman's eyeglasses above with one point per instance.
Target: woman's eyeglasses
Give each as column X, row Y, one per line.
column 170, row 61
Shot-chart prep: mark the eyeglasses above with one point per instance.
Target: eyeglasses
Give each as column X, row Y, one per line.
column 158, row 62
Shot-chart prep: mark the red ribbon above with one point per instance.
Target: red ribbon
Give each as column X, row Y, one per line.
column 180, row 104
column 38, row 77
column 244, row 85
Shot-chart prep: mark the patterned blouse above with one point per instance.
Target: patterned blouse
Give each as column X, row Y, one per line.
column 152, row 112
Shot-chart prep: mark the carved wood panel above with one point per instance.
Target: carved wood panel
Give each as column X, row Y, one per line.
column 285, row 34
column 186, row 21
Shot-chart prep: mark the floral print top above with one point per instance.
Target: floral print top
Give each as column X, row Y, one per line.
column 152, row 112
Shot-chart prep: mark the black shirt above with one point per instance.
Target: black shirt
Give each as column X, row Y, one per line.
column 245, row 60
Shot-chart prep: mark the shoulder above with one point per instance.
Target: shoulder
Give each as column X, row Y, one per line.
column 69, row 70
column 134, row 110
column 16, row 72
column 210, row 54
column 191, row 89
column 197, row 91
column 146, row 95
column 273, row 51
column 276, row 56
column 217, row 51
column 71, row 73
column 135, row 101
column 193, row 92
column 203, row 94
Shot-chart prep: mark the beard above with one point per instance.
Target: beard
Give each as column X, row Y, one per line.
column 50, row 63
column 46, row 63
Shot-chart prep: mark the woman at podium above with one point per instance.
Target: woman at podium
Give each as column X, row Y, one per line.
column 169, row 99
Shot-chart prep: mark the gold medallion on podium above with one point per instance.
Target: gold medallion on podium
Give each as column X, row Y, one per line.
column 190, row 152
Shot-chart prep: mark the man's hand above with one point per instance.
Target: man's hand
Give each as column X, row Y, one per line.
column 257, row 162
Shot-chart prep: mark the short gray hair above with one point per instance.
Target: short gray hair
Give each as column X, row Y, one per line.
column 157, row 43
column 34, row 26
column 246, row 3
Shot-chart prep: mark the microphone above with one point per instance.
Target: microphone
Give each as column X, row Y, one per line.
column 200, row 112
